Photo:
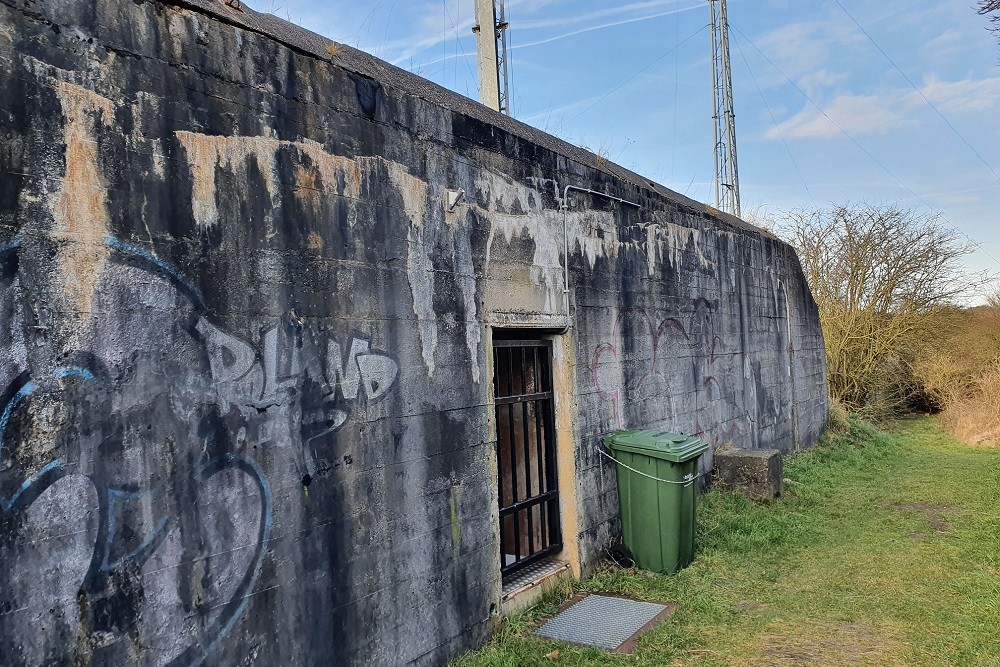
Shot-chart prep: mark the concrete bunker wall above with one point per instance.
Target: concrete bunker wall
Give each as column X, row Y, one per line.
column 244, row 341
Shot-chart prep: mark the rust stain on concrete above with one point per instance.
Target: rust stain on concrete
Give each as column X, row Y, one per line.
column 206, row 153
column 79, row 208
column 308, row 189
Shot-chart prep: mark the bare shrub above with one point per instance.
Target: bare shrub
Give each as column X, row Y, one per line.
column 879, row 274
column 993, row 300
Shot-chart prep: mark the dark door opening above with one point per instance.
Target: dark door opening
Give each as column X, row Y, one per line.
column 526, row 453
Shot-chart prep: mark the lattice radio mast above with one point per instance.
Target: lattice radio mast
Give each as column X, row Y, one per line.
column 494, row 72
column 727, row 177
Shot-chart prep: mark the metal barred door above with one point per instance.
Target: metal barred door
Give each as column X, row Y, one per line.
column 526, row 456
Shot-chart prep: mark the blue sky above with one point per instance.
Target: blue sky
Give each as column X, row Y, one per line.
column 822, row 115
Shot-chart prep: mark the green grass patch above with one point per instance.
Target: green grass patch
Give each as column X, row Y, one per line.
column 885, row 550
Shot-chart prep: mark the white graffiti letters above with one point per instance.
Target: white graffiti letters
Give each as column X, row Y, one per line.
column 289, row 355
column 374, row 372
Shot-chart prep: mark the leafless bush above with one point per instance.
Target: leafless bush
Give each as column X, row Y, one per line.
column 879, row 274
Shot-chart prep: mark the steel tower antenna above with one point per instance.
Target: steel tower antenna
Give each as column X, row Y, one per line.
column 494, row 71
column 727, row 176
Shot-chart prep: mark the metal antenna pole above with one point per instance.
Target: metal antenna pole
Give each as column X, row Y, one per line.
column 716, row 156
column 494, row 72
column 727, row 179
column 503, row 68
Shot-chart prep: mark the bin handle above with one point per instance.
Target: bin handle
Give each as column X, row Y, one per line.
column 688, row 479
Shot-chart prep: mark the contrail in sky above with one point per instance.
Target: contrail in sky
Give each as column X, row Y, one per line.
column 603, row 26
column 554, row 38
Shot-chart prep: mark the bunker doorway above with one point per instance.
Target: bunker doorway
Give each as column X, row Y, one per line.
column 526, row 453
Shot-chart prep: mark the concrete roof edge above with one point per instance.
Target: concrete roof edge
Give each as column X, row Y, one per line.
column 353, row 60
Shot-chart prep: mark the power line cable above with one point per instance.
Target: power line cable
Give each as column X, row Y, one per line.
column 629, row 80
column 458, row 41
column 837, row 125
column 919, row 92
column 979, row 245
column 444, row 42
column 677, row 59
column 777, row 127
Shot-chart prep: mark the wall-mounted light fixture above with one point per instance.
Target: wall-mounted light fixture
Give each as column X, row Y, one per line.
column 454, row 197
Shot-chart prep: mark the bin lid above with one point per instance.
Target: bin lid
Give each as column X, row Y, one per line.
column 675, row 447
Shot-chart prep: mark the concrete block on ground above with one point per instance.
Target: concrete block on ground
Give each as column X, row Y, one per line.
column 754, row 473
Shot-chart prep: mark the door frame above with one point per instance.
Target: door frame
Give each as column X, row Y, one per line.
column 563, row 387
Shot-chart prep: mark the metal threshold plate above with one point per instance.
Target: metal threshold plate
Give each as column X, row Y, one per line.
column 531, row 576
column 611, row 623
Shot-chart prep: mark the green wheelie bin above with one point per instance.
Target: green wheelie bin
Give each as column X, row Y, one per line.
column 657, row 490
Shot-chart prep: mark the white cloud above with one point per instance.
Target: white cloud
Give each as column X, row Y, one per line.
column 860, row 115
column 957, row 97
column 804, row 48
column 857, row 115
column 459, row 25
column 821, row 80
column 945, row 45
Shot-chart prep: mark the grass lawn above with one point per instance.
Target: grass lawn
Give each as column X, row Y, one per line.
column 885, row 550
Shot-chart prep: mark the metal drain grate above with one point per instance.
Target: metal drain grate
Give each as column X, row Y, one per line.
column 606, row 622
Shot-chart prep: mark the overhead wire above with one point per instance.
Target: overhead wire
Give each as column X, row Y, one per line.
column 631, row 78
column 444, row 42
column 677, row 59
column 918, row 90
column 774, row 120
column 833, row 122
column 978, row 244
column 458, row 42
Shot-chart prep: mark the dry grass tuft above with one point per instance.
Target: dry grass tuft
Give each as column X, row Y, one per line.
column 976, row 419
column 838, row 419
column 960, row 371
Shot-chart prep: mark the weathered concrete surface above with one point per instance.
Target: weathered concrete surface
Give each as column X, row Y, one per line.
column 247, row 409
column 756, row 474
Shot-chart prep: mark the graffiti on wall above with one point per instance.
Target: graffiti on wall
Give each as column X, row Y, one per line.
column 652, row 362
column 130, row 474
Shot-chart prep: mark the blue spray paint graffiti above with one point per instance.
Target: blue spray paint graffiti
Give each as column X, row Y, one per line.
column 138, row 519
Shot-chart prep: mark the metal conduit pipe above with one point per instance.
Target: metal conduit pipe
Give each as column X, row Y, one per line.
column 565, row 209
